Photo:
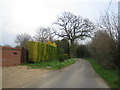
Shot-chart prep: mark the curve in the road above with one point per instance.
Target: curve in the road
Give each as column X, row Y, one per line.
column 78, row 75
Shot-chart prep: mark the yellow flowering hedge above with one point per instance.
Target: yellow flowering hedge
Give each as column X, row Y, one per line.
column 43, row 51
column 52, row 44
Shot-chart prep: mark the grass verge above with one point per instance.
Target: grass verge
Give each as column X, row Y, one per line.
column 111, row 76
column 51, row 64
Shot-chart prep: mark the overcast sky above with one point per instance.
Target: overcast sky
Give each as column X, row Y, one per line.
column 27, row 16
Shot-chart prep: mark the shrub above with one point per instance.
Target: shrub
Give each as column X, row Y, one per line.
column 32, row 51
column 44, row 52
column 104, row 50
column 60, row 51
column 39, row 51
column 61, row 58
column 51, row 51
column 66, row 56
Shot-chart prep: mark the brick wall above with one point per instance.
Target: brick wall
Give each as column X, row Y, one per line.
column 11, row 56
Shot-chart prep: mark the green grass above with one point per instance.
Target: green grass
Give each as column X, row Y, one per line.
column 51, row 64
column 110, row 76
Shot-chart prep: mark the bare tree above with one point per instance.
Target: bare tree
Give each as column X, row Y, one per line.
column 7, row 45
column 119, row 35
column 104, row 49
column 109, row 23
column 44, row 35
column 22, row 39
column 73, row 27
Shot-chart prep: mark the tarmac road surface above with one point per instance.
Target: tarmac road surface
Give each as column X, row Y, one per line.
column 78, row 75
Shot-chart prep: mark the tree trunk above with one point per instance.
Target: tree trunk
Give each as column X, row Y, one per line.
column 72, row 49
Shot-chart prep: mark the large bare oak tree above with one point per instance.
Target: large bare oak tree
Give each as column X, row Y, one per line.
column 73, row 27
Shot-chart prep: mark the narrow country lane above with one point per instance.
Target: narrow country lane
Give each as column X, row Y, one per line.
column 78, row 75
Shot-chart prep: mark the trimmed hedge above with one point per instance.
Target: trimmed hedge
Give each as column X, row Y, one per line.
column 38, row 51
column 32, row 51
column 60, row 51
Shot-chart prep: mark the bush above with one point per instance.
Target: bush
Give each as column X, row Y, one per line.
column 66, row 56
column 44, row 52
column 60, row 51
column 51, row 51
column 104, row 50
column 32, row 51
column 38, row 51
column 61, row 58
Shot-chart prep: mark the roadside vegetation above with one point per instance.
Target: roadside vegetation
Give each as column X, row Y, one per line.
column 103, row 51
column 103, row 45
column 110, row 76
column 54, row 64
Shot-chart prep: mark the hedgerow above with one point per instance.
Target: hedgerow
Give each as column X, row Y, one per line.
column 33, row 51
column 38, row 51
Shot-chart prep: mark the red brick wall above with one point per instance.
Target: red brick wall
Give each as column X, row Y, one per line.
column 11, row 56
